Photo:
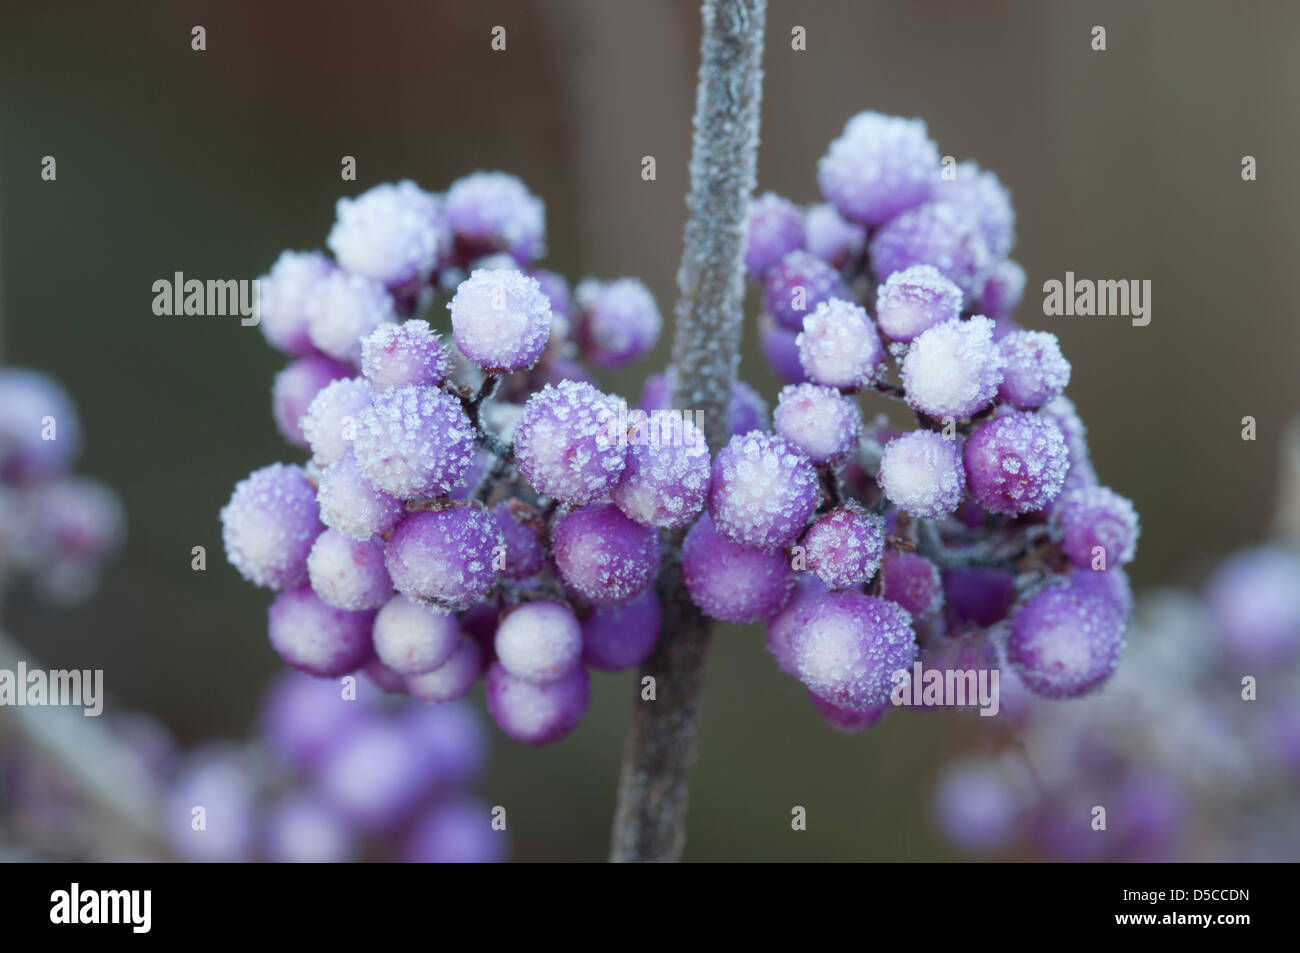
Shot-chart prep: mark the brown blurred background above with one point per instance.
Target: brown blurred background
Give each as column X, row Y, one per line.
column 1123, row 164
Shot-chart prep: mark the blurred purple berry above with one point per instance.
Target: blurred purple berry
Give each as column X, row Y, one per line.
column 945, row 236
column 879, row 166
column 620, row 637
column 775, row 229
column 796, row 285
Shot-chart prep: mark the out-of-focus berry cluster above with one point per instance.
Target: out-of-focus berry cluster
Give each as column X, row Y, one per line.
column 56, row 529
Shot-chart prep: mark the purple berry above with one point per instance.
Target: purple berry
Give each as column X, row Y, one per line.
column 602, row 555
column 501, row 320
column 953, row 369
column 329, row 425
column 921, row 473
column 300, row 829
column 1111, row 585
column 283, row 300
column 779, row 633
column 775, row 229
column 844, row 547
column 458, row 831
column 914, row 300
column 976, row 808
column 846, row 719
column 763, row 491
column 539, row 641
column 375, row 776
column 566, row 444
column 981, row 193
column 945, row 236
column 839, row 346
column 350, row 503
column 303, row 718
column 1015, row 463
column 980, row 596
column 317, row 638
column 781, row 351
column 294, row 389
column 26, row 399
column 414, row 442
column 796, row 285
column 1096, row 517
column 394, row 355
column 1004, row 286
column 537, row 714
column 619, row 637
column 879, row 166
column 444, row 556
column 343, row 309
column 820, row 421
column 392, row 234
column 912, row 581
column 412, row 638
column 452, row 679
column 556, row 289
column 1033, row 369
column 269, row 526
column 666, row 480
column 618, row 322
column 832, row 238
column 1254, row 600
column 524, row 555
column 1064, row 643
column 494, row 212
column 348, row 573
column 731, row 582
column 1060, row 411
column 747, row 410
column 849, row 647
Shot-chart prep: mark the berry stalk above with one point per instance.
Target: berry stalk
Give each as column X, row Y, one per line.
column 650, row 819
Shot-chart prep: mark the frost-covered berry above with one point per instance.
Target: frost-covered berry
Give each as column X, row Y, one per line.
column 556, row 289
column 1033, row 369
column 981, row 193
column 796, row 285
column 775, row 229
column 501, row 320
column 343, row 309
column 1015, row 463
column 1004, row 286
column 921, row 473
column 453, row 678
column 846, row 719
column 318, row 638
column 619, row 637
column 394, row 355
column 914, row 300
column 912, row 581
column 350, row 503
column 1064, row 643
column 731, row 582
column 820, row 421
column 879, row 166
column 839, row 345
column 844, row 547
column 539, row 641
column 945, row 236
column 779, row 632
column 781, row 351
column 296, row 387
column 1254, row 600
column 414, row 441
column 444, row 556
column 348, row 573
column 269, row 526
column 329, row 425
column 763, row 491
column 1096, row 518
column 392, row 234
column 494, row 212
column 953, row 369
column 283, row 296
column 524, row 554
column 412, row 638
column 832, row 238
column 1061, row 412
column 1111, row 585
column 849, row 646
column 602, row 555
column 617, row 323
column 666, row 480
column 537, row 714
column 566, row 442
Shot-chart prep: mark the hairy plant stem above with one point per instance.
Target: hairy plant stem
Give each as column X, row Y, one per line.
column 650, row 819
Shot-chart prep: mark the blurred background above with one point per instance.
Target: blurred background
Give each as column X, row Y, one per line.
column 1123, row 164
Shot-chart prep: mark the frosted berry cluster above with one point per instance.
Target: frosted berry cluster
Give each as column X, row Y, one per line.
column 974, row 535
column 470, row 505
column 57, row 530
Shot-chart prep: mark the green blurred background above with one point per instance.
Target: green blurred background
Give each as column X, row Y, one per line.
column 1123, row 164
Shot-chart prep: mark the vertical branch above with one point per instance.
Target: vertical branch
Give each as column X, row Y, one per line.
column 650, row 820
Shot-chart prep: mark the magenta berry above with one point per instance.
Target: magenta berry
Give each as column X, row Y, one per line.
column 844, row 547
column 763, row 491
column 945, row 236
column 1065, row 643
column 269, row 526
column 839, row 346
column 921, row 473
column 914, row 300
column 776, row 228
column 414, row 442
column 796, row 285
column 623, row 636
column 603, row 556
column 318, row 638
column 953, row 369
column 535, row 713
column 444, row 556
column 501, row 320
column 567, row 445
column 850, row 646
column 731, row 582
column 666, row 480
column 412, row 638
column 539, row 642
column 1015, row 463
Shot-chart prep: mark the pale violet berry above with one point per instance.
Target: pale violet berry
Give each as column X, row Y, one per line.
column 539, row 641
column 879, row 166
column 567, row 444
column 283, row 296
column 500, row 319
column 820, row 421
column 1064, row 643
column 921, row 474
column 849, row 646
column 844, row 547
column 348, row 573
column 296, row 387
column 350, row 503
column 343, row 309
column 1015, row 463
column 953, row 369
column 1033, row 369
column 1004, row 286
column 493, row 212
column 945, row 236
column 1099, row 528
column 412, row 638
column 317, row 638
column 603, row 556
column 453, row 678
column 775, row 228
column 914, row 300
column 618, row 637
column 392, row 233
column 763, row 491
column 833, row 238
column 414, row 442
column 329, row 425
column 666, row 480
column 269, row 526
column 981, row 193
column 731, row 582
column 535, row 713
column 839, row 345
column 617, row 322
column 394, row 355
column 445, row 556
